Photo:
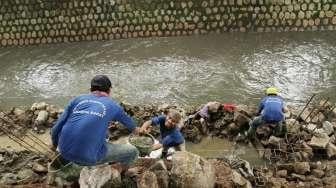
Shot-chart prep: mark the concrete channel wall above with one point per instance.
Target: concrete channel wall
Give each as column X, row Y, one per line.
column 26, row 22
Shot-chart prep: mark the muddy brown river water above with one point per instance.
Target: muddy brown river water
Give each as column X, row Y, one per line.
column 231, row 67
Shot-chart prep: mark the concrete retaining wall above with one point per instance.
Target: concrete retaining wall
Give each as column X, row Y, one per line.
column 25, row 22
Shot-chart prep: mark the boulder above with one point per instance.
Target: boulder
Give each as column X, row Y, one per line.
column 301, row 167
column 240, row 181
column 275, row 141
column 99, row 176
column 276, row 182
column 241, row 120
column 42, row 117
column 27, row 176
column 39, row 106
column 319, row 141
column 331, row 150
column 291, row 126
column 162, row 178
column 148, row 179
column 190, row 170
column 39, row 168
column 328, row 127
column 317, row 173
column 281, row 173
column 8, row 179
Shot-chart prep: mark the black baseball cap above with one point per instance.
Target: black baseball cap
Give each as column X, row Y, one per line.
column 101, row 83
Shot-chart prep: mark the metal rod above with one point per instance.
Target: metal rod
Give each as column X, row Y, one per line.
column 19, row 140
column 30, row 136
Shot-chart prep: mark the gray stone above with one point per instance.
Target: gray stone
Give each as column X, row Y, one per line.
column 331, row 150
column 39, row 106
column 275, row 141
column 27, row 175
column 317, row 173
column 291, row 126
column 42, row 117
column 39, row 168
column 319, row 141
column 148, row 179
column 328, row 127
column 281, row 173
column 99, row 176
column 301, row 167
column 190, row 170
column 8, row 179
column 240, row 181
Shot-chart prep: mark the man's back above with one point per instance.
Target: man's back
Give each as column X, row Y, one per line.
column 271, row 108
column 82, row 138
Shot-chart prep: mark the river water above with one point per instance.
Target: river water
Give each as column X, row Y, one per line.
column 231, row 67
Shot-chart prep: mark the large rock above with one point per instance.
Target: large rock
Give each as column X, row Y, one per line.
column 331, row 150
column 27, row 175
column 99, row 176
column 240, row 181
column 190, row 170
column 319, row 141
column 293, row 126
column 42, row 117
column 301, row 167
column 328, row 127
column 148, row 179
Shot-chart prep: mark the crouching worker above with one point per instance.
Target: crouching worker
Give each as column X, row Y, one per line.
column 80, row 132
column 170, row 134
column 205, row 113
column 271, row 110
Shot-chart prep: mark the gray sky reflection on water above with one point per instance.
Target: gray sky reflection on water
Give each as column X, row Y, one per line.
column 231, row 67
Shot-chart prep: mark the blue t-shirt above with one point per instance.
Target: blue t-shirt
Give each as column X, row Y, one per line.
column 270, row 108
column 81, row 130
column 169, row 136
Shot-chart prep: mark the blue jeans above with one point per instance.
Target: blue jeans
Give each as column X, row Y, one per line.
column 122, row 153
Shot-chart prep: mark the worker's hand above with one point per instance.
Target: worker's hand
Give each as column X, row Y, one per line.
column 156, row 146
column 137, row 130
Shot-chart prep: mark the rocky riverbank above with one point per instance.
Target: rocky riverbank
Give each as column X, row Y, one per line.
column 304, row 157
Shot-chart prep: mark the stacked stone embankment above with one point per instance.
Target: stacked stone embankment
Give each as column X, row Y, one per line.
column 26, row 22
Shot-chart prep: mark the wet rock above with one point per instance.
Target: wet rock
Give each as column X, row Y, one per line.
column 241, row 120
column 240, row 181
column 190, row 170
column 39, row 106
column 159, row 165
column 276, row 182
column 148, row 179
column 27, row 175
column 223, row 174
column 331, row 150
column 310, row 127
column 329, row 181
column 319, row 141
column 281, row 173
column 328, row 127
column 8, row 179
column 18, row 111
column 41, row 118
column 292, row 127
column 99, row 176
column 301, row 167
column 298, row 177
column 275, row 141
column 39, row 168
column 162, row 178
column 317, row 173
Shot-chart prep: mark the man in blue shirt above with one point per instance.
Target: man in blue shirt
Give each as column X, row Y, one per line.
column 271, row 109
column 170, row 133
column 80, row 132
